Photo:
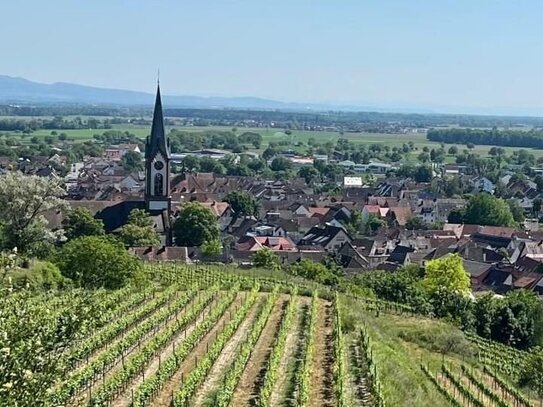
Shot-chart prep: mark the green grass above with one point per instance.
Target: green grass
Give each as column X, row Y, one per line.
column 400, row 345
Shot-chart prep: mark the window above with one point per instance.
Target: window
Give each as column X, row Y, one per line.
column 159, row 184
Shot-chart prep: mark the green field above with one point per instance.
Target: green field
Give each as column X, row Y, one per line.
column 276, row 135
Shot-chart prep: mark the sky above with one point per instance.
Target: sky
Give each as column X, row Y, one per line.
column 472, row 55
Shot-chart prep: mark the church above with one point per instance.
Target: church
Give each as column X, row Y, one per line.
column 157, row 164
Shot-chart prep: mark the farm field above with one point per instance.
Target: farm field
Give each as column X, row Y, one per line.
column 276, row 135
column 215, row 337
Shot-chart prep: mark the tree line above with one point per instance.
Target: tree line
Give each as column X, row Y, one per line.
column 507, row 137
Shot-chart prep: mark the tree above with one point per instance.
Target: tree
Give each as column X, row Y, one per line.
column 24, row 200
column 267, row 259
column 212, row 247
column 423, row 173
column 80, row 222
column 372, row 224
column 242, row 203
column 308, row 173
column 415, row 223
column 139, row 230
column 313, row 271
column 447, row 273
column 97, row 261
column 268, row 153
column 132, row 161
column 456, row 215
column 532, row 373
column 516, row 211
column 453, row 150
column 485, row 209
column 280, row 164
column 191, row 163
column 195, row 225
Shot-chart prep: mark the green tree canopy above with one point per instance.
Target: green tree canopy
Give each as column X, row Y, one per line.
column 242, row 203
column 447, row 273
column 485, row 209
column 80, row 222
column 132, row 161
column 97, row 261
column 212, row 247
column 24, row 200
column 267, row 259
column 308, row 173
column 195, row 225
column 139, row 230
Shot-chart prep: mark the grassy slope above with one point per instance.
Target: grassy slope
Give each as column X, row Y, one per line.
column 399, row 360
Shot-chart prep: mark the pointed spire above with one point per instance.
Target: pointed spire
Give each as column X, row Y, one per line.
column 157, row 141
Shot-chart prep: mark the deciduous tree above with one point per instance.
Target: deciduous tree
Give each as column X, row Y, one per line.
column 195, row 225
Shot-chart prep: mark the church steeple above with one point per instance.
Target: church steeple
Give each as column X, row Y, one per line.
column 157, row 141
column 157, row 163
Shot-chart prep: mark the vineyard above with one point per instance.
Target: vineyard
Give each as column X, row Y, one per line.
column 210, row 336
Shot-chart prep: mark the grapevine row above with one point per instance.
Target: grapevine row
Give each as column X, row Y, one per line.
column 137, row 362
column 448, row 396
column 372, row 374
column 99, row 365
column 517, row 395
column 472, row 399
column 97, row 340
column 231, row 380
column 151, row 385
column 305, row 374
column 339, row 357
column 199, row 373
column 483, row 388
column 272, row 371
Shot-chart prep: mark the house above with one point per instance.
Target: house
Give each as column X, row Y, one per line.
column 483, row 184
column 164, row 253
column 351, row 259
column 374, row 210
column 255, row 243
column 478, row 272
column 327, row 236
column 400, row 215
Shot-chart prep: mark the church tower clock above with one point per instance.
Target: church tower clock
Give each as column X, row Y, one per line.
column 157, row 163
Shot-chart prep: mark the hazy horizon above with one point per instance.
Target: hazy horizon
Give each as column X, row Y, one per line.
column 474, row 57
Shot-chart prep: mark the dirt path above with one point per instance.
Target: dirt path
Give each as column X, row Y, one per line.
column 84, row 395
column 217, row 372
column 322, row 380
column 291, row 344
column 164, row 397
column 125, row 398
column 251, row 378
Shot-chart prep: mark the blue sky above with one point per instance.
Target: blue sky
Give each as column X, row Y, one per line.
column 468, row 54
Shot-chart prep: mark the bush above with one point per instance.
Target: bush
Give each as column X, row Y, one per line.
column 97, row 261
column 41, row 276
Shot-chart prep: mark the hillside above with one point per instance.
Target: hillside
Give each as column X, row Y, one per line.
column 216, row 337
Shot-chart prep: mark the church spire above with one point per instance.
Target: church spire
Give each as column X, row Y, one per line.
column 157, row 142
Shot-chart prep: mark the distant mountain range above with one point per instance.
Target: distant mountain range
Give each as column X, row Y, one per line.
column 23, row 91
column 19, row 90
